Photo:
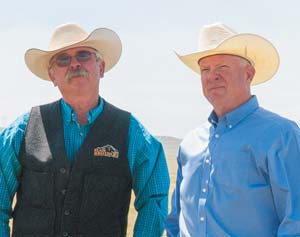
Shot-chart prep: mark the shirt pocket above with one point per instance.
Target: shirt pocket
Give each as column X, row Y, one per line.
column 236, row 170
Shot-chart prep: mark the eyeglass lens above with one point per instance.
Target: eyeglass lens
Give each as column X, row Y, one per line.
column 64, row 59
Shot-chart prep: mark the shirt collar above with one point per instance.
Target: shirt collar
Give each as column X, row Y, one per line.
column 69, row 114
column 235, row 116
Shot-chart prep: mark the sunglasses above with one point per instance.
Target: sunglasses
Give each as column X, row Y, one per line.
column 64, row 60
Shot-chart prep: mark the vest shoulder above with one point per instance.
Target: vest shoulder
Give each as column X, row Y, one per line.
column 115, row 108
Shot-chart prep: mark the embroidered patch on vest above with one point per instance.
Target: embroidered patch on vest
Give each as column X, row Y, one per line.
column 108, row 151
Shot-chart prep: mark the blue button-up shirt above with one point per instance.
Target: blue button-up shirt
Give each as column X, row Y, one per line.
column 145, row 156
column 238, row 176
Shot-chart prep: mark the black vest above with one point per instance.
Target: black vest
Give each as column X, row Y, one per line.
column 88, row 199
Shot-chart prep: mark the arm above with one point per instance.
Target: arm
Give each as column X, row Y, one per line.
column 150, row 180
column 172, row 222
column 284, row 165
column 10, row 141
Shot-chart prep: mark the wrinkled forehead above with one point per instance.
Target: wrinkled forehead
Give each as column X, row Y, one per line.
column 74, row 50
column 222, row 58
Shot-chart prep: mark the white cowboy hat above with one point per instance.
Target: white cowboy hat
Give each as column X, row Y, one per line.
column 104, row 40
column 220, row 39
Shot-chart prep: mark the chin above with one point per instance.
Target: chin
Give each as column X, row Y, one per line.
column 217, row 94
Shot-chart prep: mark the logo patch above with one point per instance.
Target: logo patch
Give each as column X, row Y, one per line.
column 107, row 150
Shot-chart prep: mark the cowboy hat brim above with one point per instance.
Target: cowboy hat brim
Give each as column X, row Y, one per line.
column 104, row 40
column 257, row 50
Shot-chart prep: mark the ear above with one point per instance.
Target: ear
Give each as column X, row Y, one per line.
column 101, row 68
column 51, row 73
column 250, row 72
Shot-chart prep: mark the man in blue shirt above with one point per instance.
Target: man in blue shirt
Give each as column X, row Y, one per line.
column 74, row 162
column 238, row 174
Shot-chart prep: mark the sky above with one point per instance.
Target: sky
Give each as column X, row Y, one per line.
column 149, row 80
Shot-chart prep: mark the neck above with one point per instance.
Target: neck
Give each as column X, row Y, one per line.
column 223, row 109
column 82, row 106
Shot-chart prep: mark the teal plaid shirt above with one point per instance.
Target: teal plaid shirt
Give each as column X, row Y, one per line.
column 145, row 156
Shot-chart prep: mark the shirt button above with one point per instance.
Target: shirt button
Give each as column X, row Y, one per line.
column 201, row 218
column 67, row 212
column 81, row 133
column 229, row 126
column 217, row 135
column 62, row 170
column 65, row 234
column 63, row 192
column 207, row 161
column 206, row 181
column 204, row 190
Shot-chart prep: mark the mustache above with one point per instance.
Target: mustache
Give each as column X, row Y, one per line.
column 78, row 72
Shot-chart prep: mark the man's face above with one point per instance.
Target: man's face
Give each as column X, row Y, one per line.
column 77, row 71
column 226, row 80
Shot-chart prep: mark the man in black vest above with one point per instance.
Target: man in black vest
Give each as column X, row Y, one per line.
column 74, row 162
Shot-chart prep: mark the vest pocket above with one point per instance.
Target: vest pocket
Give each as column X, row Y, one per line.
column 36, row 189
column 34, row 212
column 31, row 221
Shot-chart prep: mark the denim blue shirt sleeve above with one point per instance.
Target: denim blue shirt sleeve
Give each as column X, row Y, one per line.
column 145, row 156
column 238, row 176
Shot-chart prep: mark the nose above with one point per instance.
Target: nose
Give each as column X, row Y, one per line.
column 213, row 76
column 74, row 63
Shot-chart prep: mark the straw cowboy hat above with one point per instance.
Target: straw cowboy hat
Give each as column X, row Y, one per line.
column 105, row 41
column 220, row 39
